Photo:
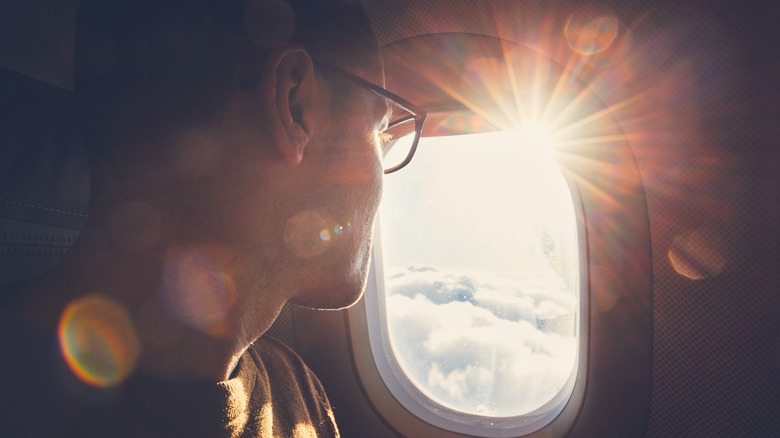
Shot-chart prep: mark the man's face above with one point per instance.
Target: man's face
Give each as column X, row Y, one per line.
column 328, row 234
column 298, row 232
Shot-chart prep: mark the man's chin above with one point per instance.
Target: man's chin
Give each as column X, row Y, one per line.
column 320, row 300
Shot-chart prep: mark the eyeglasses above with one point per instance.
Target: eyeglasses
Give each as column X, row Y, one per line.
column 402, row 135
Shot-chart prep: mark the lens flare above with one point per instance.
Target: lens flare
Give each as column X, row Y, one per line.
column 308, row 234
column 588, row 33
column 98, row 341
column 697, row 255
column 199, row 290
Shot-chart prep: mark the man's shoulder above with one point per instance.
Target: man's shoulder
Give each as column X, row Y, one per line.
column 278, row 359
column 295, row 388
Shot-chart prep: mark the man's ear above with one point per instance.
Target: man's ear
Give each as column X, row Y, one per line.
column 290, row 95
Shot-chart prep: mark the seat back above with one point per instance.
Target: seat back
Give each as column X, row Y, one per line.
column 44, row 180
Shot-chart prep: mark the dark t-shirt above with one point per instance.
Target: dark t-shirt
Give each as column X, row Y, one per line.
column 272, row 393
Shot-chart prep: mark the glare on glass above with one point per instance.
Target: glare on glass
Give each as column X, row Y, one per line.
column 398, row 141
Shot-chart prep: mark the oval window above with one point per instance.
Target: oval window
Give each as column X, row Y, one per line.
column 478, row 263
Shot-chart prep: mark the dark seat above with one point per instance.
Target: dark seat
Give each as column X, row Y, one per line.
column 44, row 179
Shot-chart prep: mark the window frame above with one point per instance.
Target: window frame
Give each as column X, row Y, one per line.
column 396, row 398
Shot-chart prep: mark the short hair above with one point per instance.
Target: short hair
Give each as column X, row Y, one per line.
column 150, row 67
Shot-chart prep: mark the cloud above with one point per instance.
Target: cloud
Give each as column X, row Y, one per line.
column 481, row 343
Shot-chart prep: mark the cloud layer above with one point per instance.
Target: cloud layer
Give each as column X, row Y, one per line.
column 481, row 343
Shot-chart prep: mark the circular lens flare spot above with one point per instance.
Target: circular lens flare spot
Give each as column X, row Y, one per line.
column 307, row 234
column 588, row 33
column 199, row 290
column 697, row 255
column 98, row 341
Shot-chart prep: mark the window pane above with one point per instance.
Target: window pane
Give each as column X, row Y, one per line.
column 480, row 258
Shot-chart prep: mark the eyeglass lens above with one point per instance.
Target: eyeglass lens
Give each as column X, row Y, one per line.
column 398, row 138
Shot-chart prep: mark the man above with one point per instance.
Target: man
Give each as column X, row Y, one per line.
column 235, row 167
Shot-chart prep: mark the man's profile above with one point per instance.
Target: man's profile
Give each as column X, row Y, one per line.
column 236, row 167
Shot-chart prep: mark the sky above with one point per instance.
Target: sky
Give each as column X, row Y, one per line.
column 479, row 254
column 482, row 200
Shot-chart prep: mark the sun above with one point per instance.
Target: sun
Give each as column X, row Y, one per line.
column 536, row 142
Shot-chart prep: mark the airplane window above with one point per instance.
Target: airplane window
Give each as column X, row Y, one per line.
column 478, row 276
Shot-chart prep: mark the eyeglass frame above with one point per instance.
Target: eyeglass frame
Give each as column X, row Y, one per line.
column 416, row 113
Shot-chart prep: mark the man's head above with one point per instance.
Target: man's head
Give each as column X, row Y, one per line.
column 218, row 142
